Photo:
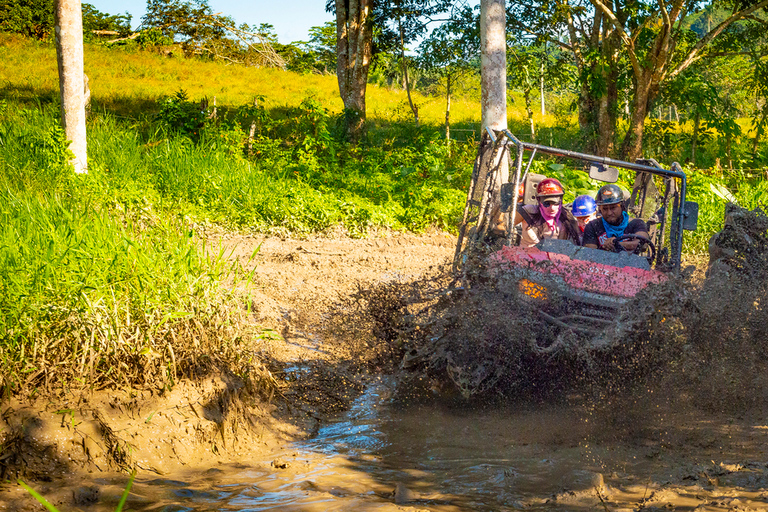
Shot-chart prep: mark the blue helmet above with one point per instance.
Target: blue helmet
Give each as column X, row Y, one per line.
column 584, row 206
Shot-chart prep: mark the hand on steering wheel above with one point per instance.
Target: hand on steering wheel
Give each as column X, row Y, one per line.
column 644, row 242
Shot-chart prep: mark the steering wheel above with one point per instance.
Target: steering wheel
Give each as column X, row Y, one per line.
column 644, row 242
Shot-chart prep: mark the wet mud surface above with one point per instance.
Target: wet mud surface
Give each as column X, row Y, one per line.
column 394, row 395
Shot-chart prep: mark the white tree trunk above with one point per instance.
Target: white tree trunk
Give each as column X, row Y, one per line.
column 493, row 97
column 493, row 44
column 69, row 50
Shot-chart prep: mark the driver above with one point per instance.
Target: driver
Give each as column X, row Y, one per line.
column 602, row 233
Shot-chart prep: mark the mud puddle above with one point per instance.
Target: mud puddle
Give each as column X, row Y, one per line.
column 381, row 455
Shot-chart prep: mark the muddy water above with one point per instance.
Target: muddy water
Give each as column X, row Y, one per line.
column 381, row 456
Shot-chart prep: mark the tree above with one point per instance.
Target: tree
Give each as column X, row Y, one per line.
column 617, row 42
column 69, row 50
column 451, row 52
column 531, row 66
column 577, row 28
column 397, row 22
column 757, row 83
column 693, row 91
column 322, row 41
column 659, row 46
column 354, row 30
column 36, row 19
column 202, row 32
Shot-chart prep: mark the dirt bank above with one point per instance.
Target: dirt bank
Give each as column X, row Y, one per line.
column 219, row 418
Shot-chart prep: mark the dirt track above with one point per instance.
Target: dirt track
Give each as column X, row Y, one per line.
column 198, row 424
column 635, row 452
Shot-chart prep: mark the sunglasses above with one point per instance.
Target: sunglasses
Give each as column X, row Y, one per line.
column 548, row 203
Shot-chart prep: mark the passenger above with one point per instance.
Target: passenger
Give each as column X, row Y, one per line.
column 585, row 210
column 602, row 233
column 548, row 218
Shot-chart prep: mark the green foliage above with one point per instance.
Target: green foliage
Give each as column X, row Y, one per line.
column 32, row 18
column 317, row 56
column 35, row 18
column 151, row 37
column 180, row 115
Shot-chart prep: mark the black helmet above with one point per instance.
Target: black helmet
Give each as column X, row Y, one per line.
column 609, row 194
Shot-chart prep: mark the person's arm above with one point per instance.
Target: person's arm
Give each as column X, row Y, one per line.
column 635, row 227
column 631, row 245
column 590, row 237
column 498, row 223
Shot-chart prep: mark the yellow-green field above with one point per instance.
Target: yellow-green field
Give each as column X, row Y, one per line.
column 119, row 76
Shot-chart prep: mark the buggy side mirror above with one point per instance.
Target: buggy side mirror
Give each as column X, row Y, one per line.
column 601, row 172
column 690, row 216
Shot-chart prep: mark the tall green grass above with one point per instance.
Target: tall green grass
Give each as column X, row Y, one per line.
column 97, row 297
column 101, row 283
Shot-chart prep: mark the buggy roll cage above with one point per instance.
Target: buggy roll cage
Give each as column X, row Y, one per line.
column 682, row 218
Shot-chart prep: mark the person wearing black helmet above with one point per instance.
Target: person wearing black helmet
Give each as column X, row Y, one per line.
column 602, row 233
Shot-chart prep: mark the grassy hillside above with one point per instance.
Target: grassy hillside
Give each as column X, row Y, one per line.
column 106, row 267
column 128, row 79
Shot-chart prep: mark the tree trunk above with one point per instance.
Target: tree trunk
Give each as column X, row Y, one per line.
column 586, row 108
column 541, row 88
column 69, row 52
column 448, row 112
column 632, row 146
column 493, row 81
column 529, row 112
column 695, row 138
column 414, row 108
column 493, row 98
column 353, row 50
column 607, row 113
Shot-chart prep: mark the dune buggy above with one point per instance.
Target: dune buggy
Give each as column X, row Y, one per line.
column 574, row 287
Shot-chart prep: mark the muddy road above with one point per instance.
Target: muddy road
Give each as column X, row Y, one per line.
column 343, row 433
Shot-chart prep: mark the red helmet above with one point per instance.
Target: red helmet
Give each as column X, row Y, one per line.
column 549, row 187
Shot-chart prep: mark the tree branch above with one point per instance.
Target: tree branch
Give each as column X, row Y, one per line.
column 629, row 42
column 695, row 52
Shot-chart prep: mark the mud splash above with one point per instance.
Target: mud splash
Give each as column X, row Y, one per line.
column 700, row 343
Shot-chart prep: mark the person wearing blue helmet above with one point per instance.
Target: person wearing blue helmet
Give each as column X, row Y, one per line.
column 584, row 209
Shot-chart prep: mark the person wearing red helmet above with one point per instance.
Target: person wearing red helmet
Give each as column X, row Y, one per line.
column 602, row 233
column 547, row 218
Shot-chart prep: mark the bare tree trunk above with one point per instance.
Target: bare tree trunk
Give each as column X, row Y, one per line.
column 493, row 47
column 541, row 88
column 414, row 108
column 632, row 146
column 252, row 131
column 353, row 50
column 69, row 50
column 448, row 112
column 695, row 137
column 529, row 111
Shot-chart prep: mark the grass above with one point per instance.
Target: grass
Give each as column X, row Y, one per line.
column 103, row 279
